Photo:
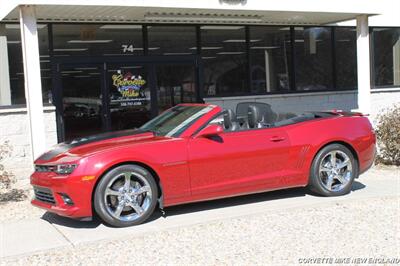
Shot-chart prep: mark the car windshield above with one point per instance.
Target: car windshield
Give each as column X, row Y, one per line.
column 174, row 121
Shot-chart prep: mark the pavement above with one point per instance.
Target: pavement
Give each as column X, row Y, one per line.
column 51, row 231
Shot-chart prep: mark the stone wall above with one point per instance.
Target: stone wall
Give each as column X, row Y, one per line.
column 14, row 127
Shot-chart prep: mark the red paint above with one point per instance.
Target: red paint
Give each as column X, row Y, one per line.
column 194, row 168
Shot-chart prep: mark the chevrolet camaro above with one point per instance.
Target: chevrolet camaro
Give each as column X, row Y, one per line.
column 197, row 152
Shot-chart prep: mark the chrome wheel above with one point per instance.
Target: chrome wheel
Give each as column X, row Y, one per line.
column 335, row 170
column 127, row 196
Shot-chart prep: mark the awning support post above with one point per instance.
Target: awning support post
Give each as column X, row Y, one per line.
column 33, row 85
column 363, row 65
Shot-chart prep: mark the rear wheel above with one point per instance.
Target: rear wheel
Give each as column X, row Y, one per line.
column 127, row 195
column 333, row 171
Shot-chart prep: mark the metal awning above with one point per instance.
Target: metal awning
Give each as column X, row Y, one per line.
column 282, row 12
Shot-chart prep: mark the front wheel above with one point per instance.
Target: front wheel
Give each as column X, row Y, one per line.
column 127, row 195
column 333, row 171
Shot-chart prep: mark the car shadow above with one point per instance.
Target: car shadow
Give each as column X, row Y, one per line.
column 197, row 206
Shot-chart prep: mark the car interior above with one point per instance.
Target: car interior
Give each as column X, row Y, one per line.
column 254, row 115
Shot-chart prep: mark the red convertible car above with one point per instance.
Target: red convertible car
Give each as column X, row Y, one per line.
column 197, row 152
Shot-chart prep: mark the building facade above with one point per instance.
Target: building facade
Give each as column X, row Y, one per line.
column 70, row 69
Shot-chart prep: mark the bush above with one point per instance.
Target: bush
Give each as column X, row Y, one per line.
column 6, row 178
column 388, row 133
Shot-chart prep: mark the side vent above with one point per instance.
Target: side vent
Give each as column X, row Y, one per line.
column 302, row 156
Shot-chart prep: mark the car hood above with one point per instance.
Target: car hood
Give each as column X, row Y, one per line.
column 78, row 148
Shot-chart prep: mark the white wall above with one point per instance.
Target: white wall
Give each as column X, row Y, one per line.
column 14, row 127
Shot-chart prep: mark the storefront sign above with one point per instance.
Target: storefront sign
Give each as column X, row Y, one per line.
column 130, row 88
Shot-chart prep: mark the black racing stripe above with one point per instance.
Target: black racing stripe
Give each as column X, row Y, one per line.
column 65, row 146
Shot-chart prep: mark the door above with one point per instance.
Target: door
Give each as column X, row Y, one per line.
column 238, row 162
column 82, row 107
column 117, row 93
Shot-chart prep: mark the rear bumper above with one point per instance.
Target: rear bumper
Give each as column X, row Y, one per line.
column 57, row 187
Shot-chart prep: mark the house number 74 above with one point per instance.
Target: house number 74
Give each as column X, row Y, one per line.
column 127, row 48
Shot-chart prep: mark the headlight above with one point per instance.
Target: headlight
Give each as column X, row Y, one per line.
column 65, row 169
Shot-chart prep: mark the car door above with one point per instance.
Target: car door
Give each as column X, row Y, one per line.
column 237, row 162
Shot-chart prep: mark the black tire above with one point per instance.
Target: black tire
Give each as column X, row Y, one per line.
column 318, row 184
column 102, row 207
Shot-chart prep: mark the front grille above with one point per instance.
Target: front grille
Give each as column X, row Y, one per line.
column 45, row 168
column 44, row 194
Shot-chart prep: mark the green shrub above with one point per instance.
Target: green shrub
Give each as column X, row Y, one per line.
column 388, row 134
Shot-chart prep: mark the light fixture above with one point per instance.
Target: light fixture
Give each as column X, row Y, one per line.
column 85, row 68
column 177, row 53
column 71, row 71
column 240, row 40
column 69, row 49
column 94, row 73
column 13, row 42
column 207, row 48
column 208, row 57
column 82, row 76
column 89, row 41
column 231, row 53
column 44, row 61
column 121, row 27
column 221, row 27
column 201, row 18
column 44, row 55
column 264, row 47
column 130, row 67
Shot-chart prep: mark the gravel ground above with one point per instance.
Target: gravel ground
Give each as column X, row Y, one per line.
column 345, row 230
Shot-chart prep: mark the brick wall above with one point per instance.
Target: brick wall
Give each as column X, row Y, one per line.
column 14, row 127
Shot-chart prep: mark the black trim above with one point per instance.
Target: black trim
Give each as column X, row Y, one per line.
column 292, row 69
column 66, row 146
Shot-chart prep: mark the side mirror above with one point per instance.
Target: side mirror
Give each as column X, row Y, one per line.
column 210, row 130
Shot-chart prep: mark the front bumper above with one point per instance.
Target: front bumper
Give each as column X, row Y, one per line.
column 50, row 188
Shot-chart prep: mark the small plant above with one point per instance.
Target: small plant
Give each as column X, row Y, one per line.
column 388, row 133
column 6, row 178
column 7, row 193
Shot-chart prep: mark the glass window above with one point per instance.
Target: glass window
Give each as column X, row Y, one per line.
column 346, row 58
column 223, row 52
column 386, row 50
column 101, row 40
column 10, row 37
column 270, row 59
column 171, row 40
column 313, row 58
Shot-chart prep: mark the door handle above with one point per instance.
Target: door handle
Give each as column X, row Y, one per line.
column 277, row 138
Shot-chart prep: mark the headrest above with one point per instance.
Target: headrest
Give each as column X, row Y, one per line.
column 254, row 116
column 229, row 116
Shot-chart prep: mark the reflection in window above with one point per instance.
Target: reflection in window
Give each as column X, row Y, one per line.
column 346, row 58
column 92, row 39
column 269, row 57
column 223, row 51
column 313, row 52
column 386, row 43
column 10, row 34
column 172, row 40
